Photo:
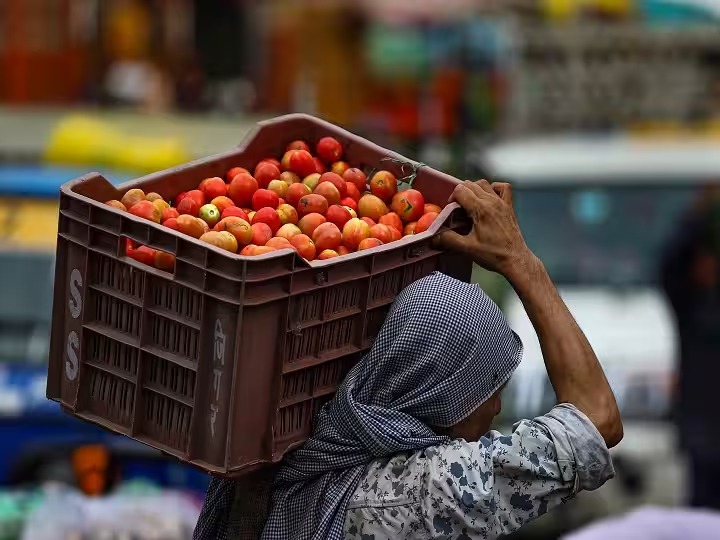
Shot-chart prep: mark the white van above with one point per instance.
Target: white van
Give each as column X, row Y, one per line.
column 598, row 211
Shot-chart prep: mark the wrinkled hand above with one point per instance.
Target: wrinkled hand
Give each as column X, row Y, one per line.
column 495, row 241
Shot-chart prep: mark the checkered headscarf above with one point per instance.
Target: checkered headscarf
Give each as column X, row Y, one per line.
column 444, row 349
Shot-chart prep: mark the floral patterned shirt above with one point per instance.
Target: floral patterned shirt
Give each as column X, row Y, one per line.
column 485, row 489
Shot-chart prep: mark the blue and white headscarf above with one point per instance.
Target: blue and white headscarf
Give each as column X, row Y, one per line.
column 444, row 349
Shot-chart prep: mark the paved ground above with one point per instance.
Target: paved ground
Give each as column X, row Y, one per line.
column 25, row 132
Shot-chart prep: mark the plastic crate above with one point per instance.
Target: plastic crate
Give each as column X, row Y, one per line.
column 224, row 362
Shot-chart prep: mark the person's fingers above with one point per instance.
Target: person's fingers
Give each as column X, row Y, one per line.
column 452, row 241
column 481, row 188
column 464, row 196
column 504, row 191
column 485, row 186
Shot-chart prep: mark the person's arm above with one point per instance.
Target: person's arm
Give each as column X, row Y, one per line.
column 573, row 368
column 496, row 243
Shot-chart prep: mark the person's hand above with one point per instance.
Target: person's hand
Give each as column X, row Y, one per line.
column 495, row 241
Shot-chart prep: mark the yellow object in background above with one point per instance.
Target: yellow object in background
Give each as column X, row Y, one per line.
column 80, row 140
column 128, row 30
column 148, row 154
column 560, row 10
column 614, row 7
column 28, row 223
column 563, row 10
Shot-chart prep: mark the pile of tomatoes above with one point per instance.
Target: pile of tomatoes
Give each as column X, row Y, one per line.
column 318, row 205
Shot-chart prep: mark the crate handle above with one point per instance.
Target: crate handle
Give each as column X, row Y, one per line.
column 414, row 252
column 321, row 278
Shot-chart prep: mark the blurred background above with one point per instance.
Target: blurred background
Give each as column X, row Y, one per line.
column 605, row 114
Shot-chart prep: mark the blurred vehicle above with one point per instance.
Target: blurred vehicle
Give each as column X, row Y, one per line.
column 598, row 211
column 40, row 442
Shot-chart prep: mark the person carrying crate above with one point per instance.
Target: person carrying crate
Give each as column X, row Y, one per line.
column 405, row 450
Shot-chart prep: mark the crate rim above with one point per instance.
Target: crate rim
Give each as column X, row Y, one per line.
column 68, row 189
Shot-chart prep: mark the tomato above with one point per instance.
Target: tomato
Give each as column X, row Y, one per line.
column 214, row 187
column 354, row 232
column 372, row 207
column 234, row 211
column 310, row 222
column 339, row 215
column 392, row 220
column 263, row 198
column 424, row 223
column 383, row 184
column 268, row 216
column 329, row 191
column 381, row 232
column 222, row 203
column 301, row 162
column 327, row 254
column 312, row 204
column 335, row 179
column 265, row 173
column 196, row 195
column 327, row 236
column 242, row 188
column 409, row 205
column 369, row 243
column 296, row 192
column 329, row 149
column 357, row 177
column 232, row 173
column 262, row 233
column 298, row 145
column 144, row 255
column 304, row 246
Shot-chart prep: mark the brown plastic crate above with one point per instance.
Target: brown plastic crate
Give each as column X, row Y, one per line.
column 224, row 362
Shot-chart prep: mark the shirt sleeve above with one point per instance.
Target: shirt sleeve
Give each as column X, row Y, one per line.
column 494, row 486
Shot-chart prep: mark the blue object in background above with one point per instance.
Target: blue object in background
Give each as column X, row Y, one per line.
column 30, row 424
column 679, row 12
column 45, row 180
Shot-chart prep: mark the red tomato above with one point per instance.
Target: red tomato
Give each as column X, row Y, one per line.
column 304, row 246
column 298, row 145
column 383, row 184
column 197, row 195
column 392, row 220
column 265, row 198
column 144, row 255
column 351, row 203
column 262, row 233
column 327, row 236
column 214, row 187
column 424, row 223
column 319, row 165
column 242, row 188
column 188, row 206
column 265, row 173
column 352, row 191
column 312, row 204
column 357, row 177
column 232, row 173
column 301, row 163
column 335, row 179
column 339, row 215
column 329, row 149
column 409, row 205
column 234, row 211
column 268, row 216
